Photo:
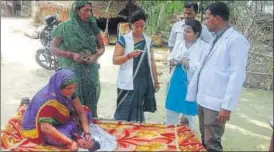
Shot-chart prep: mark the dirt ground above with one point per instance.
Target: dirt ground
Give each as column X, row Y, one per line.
column 21, row 77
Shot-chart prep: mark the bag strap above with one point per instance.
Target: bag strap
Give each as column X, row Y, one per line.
column 135, row 73
column 210, row 53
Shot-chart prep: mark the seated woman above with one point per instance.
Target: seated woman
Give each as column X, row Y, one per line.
column 51, row 116
column 184, row 62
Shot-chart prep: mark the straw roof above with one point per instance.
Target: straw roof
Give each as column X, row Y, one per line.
column 60, row 5
column 101, row 9
column 114, row 8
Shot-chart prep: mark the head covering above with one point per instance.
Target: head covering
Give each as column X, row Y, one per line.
column 85, row 30
column 78, row 35
column 68, row 81
column 78, row 4
column 52, row 91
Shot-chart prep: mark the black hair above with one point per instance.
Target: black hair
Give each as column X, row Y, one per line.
column 220, row 9
column 195, row 26
column 191, row 5
column 137, row 15
column 63, row 86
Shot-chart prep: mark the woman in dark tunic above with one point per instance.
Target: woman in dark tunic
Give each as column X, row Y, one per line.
column 137, row 79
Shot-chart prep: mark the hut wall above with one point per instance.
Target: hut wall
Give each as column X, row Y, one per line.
column 258, row 29
column 259, row 72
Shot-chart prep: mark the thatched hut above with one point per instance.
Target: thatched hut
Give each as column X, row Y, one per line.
column 113, row 15
column 40, row 9
column 114, row 9
column 107, row 13
column 258, row 28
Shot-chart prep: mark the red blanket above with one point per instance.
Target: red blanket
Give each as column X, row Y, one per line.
column 130, row 137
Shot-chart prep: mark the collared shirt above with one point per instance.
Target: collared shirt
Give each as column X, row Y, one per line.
column 177, row 32
column 222, row 75
column 218, row 34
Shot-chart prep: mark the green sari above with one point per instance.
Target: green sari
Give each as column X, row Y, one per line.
column 80, row 37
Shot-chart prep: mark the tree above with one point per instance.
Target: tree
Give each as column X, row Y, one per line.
column 159, row 13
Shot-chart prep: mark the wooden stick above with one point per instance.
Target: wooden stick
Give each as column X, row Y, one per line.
column 269, row 74
column 176, row 138
column 261, row 54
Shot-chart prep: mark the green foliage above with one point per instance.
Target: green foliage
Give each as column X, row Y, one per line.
column 159, row 12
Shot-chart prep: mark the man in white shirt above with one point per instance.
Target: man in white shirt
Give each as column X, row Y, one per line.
column 217, row 83
column 190, row 12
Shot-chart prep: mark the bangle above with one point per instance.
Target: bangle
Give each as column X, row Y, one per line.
column 128, row 56
column 86, row 133
column 97, row 54
column 77, row 137
column 70, row 55
column 156, row 83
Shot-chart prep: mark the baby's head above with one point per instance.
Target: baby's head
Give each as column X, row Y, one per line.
column 184, row 121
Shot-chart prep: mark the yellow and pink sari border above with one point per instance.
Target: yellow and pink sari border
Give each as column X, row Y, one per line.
column 34, row 133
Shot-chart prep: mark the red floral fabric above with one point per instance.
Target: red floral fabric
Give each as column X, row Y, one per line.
column 130, row 137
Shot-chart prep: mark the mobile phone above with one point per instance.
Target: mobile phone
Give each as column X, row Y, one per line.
column 141, row 51
column 85, row 59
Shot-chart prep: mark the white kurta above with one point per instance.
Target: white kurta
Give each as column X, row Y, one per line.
column 194, row 53
column 217, row 83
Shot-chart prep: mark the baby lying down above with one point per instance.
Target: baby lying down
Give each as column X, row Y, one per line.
column 91, row 146
column 102, row 140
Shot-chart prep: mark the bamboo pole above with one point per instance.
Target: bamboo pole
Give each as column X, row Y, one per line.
column 21, row 11
column 107, row 22
column 202, row 11
column 262, row 54
column 260, row 73
column 176, row 138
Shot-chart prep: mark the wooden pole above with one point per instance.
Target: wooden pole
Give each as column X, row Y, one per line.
column 106, row 29
column 271, row 144
column 21, row 11
column 202, row 11
column 262, row 5
column 272, row 140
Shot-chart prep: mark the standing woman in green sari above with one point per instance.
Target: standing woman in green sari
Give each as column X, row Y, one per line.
column 78, row 44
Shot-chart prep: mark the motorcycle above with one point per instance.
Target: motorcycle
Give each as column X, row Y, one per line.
column 44, row 56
